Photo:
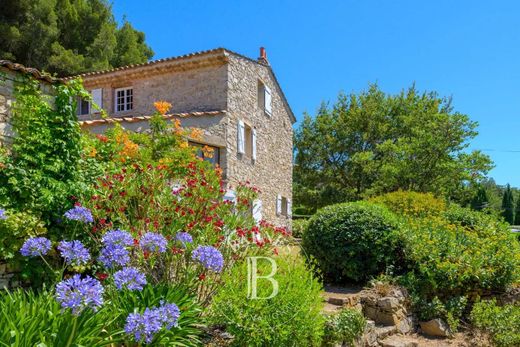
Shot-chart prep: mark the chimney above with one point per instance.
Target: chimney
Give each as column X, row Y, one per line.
column 263, row 56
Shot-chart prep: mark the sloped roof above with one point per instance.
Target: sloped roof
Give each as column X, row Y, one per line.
column 187, row 57
column 134, row 119
column 28, row 70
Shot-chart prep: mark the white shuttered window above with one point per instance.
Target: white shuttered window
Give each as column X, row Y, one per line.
column 240, row 137
column 97, row 98
column 253, row 140
column 267, row 101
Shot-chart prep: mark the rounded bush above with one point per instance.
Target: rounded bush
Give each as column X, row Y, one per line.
column 411, row 204
column 352, row 241
column 473, row 220
column 299, row 226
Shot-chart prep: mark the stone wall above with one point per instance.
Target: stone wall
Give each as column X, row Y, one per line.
column 7, row 81
column 190, row 90
column 272, row 170
column 8, row 278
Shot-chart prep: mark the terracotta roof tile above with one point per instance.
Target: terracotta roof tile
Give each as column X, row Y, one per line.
column 112, row 120
column 28, row 70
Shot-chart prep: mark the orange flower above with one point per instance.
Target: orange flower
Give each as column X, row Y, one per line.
column 208, row 152
column 162, row 107
column 93, row 152
column 177, row 124
column 196, row 133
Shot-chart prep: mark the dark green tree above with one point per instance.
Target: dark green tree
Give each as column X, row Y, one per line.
column 67, row 37
column 508, row 205
column 480, row 200
column 517, row 211
column 373, row 142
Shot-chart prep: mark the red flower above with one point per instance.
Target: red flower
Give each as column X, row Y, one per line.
column 202, row 276
column 101, row 276
column 275, row 251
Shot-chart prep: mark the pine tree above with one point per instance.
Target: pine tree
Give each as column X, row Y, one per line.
column 517, row 212
column 67, row 37
column 480, row 200
column 508, row 205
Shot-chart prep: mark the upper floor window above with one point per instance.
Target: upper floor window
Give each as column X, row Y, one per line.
column 84, row 107
column 283, row 206
column 246, row 140
column 124, row 99
column 265, row 98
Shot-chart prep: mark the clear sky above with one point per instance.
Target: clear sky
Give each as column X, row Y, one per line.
column 467, row 49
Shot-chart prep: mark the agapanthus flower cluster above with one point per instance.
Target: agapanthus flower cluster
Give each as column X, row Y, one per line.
column 144, row 326
column 129, row 278
column 114, row 253
column 74, row 252
column 79, row 213
column 153, row 242
column 209, row 257
column 117, row 237
column 79, row 293
column 184, row 238
column 35, row 247
column 2, row 214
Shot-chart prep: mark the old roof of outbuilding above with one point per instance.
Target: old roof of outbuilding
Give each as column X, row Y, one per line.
column 187, row 57
column 28, row 70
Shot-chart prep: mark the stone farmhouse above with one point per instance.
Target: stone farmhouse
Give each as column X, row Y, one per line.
column 236, row 100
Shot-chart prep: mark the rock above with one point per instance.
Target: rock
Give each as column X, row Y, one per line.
column 336, row 301
column 398, row 341
column 435, row 327
column 389, row 304
column 383, row 332
column 369, row 338
column 406, row 325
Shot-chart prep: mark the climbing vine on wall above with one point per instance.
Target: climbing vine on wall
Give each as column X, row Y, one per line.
column 42, row 168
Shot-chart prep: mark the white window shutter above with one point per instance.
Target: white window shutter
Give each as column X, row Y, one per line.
column 267, row 100
column 253, row 142
column 240, row 137
column 278, row 205
column 289, row 207
column 230, row 196
column 257, row 210
column 97, row 98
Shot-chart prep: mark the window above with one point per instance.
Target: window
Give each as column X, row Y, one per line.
column 124, row 99
column 208, row 153
column 246, row 140
column 283, row 206
column 264, row 98
column 83, row 107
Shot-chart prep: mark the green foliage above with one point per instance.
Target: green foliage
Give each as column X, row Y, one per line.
column 299, row 226
column 352, row 241
column 291, row 318
column 68, row 36
column 502, row 322
column 188, row 331
column 473, row 219
column 451, row 309
column 411, row 204
column 449, row 260
column 481, row 200
column 373, row 143
column 31, row 319
column 15, row 230
column 43, row 169
column 344, row 328
column 508, row 205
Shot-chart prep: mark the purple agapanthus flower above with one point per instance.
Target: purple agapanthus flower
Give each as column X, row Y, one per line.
column 130, row 278
column 184, row 238
column 79, row 213
column 153, row 242
column 114, row 255
column 118, row 237
column 77, row 293
column 2, row 214
column 145, row 326
column 169, row 315
column 209, row 257
column 74, row 252
column 35, row 247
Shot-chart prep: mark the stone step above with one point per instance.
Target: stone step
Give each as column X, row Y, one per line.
column 399, row 341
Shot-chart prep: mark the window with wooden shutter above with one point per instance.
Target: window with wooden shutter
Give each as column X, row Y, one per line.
column 240, row 137
column 97, row 97
column 253, row 140
column 278, row 205
column 257, row 210
column 267, row 101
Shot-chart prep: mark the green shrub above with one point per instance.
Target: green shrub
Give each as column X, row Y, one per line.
column 448, row 260
column 352, row 241
column 290, row 318
column 451, row 309
column 472, row 219
column 502, row 322
column 15, row 229
column 298, row 227
column 344, row 328
column 411, row 204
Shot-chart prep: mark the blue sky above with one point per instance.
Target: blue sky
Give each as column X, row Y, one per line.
column 467, row 49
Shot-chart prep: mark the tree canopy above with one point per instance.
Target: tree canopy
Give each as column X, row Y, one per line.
column 374, row 142
column 67, row 37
